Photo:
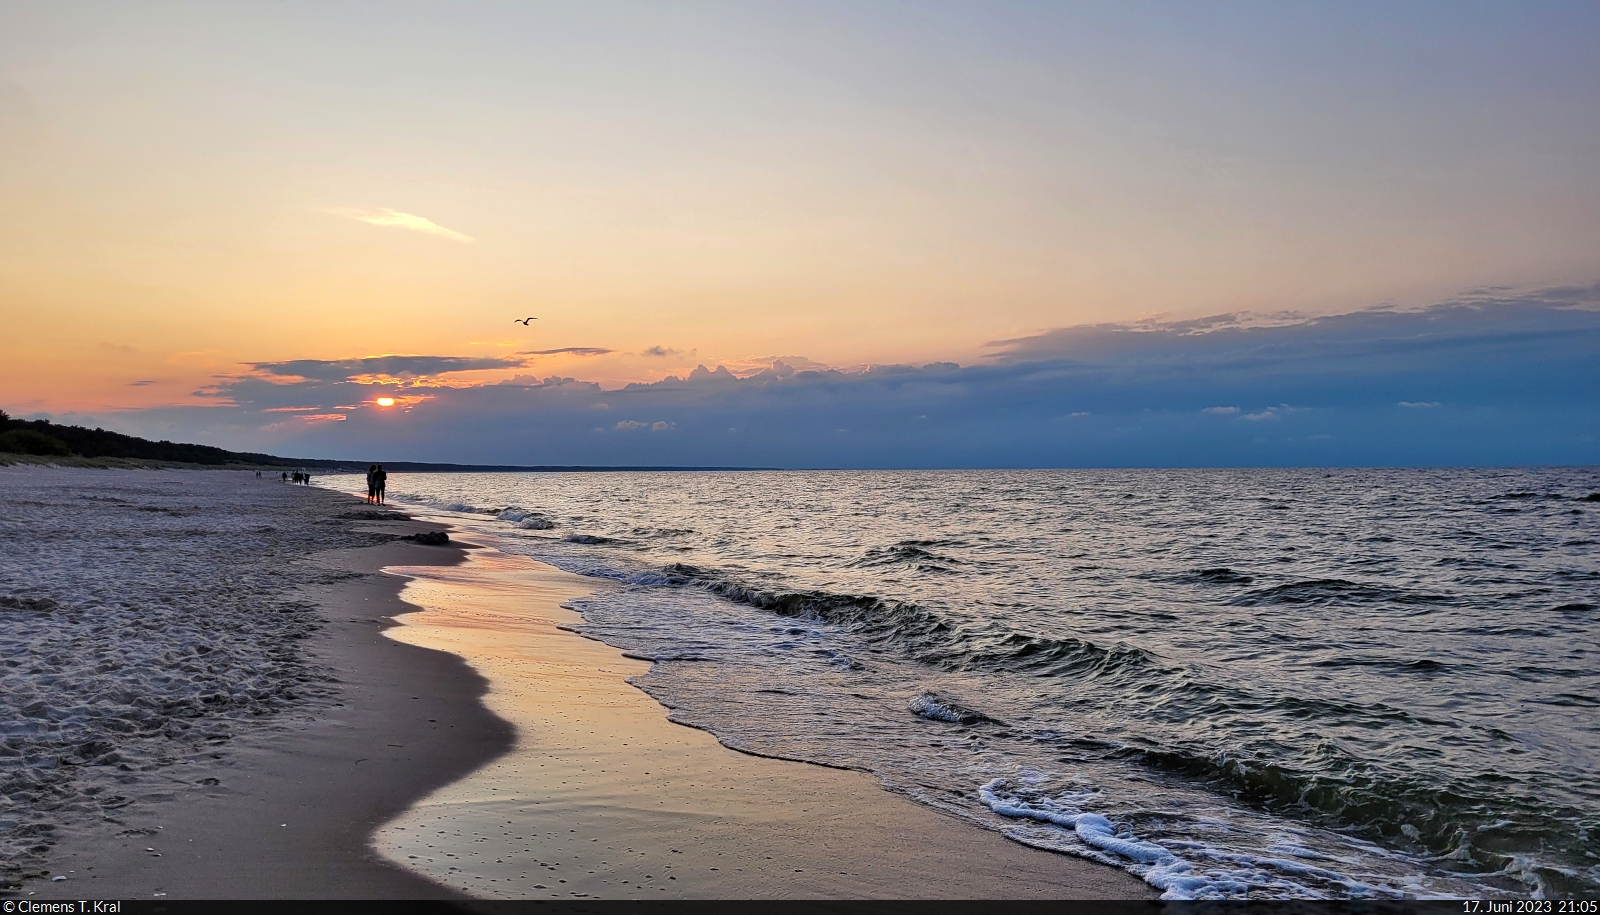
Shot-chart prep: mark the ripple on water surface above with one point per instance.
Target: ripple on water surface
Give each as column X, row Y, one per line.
column 1345, row 683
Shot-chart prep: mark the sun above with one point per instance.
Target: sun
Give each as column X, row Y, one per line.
column 386, row 401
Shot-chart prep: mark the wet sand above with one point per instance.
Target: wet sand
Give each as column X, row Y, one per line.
column 603, row 796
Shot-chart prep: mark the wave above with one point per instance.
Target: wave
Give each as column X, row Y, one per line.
column 912, row 553
column 935, row 707
column 1473, row 825
column 1326, row 591
column 1091, row 835
column 1466, row 842
column 1420, row 666
column 29, row 604
column 443, row 504
column 920, row 633
column 1220, row 576
column 526, row 519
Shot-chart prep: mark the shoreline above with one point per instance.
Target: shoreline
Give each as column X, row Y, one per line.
column 603, row 796
column 307, row 803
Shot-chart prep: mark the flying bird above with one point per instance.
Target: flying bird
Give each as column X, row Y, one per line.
column 523, row 321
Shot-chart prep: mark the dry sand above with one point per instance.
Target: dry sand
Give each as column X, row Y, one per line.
column 293, row 808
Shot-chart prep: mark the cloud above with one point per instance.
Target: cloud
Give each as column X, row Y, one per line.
column 1418, row 405
column 1514, row 377
column 658, row 426
column 383, row 216
column 140, row 384
column 1481, row 313
column 659, row 351
column 779, row 365
column 568, row 350
column 401, row 368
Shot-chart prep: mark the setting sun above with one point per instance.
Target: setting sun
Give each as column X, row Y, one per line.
column 386, row 401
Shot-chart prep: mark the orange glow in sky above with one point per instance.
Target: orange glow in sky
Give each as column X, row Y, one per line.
column 188, row 196
column 386, row 401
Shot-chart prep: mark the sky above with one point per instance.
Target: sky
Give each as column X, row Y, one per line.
column 808, row 234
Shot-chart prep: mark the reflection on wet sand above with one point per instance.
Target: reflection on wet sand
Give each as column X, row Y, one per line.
column 603, row 796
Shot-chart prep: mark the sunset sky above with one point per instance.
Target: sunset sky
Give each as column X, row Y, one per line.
column 241, row 223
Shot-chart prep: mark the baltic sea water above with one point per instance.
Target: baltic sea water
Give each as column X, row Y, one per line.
column 1263, row 683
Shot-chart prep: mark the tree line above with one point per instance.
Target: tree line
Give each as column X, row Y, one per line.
column 44, row 438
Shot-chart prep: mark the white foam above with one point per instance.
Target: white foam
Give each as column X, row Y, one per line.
column 1227, row 875
column 928, row 706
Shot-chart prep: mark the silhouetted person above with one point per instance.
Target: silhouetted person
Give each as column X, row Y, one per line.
column 372, row 483
column 382, row 479
column 285, row 476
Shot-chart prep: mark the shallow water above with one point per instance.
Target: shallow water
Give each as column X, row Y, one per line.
column 1262, row 683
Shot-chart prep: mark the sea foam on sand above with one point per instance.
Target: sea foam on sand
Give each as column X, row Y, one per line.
column 146, row 618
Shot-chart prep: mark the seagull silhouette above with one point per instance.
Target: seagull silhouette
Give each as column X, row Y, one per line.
column 523, row 321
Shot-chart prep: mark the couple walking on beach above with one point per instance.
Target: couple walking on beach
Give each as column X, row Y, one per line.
column 376, row 479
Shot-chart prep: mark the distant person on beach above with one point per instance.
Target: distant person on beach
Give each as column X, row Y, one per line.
column 285, row 476
column 372, row 483
column 381, row 478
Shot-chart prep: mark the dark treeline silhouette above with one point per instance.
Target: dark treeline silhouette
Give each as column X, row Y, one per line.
column 42, row 437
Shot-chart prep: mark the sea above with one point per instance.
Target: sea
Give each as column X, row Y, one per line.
column 1231, row 683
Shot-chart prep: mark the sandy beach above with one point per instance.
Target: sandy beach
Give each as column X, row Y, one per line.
column 276, row 804
column 368, row 747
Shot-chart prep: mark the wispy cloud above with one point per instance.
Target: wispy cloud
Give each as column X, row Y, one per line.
column 396, row 367
column 1418, row 404
column 394, row 219
column 568, row 350
column 659, row 351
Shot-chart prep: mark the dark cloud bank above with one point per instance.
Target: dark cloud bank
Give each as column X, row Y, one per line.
column 1488, row 379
